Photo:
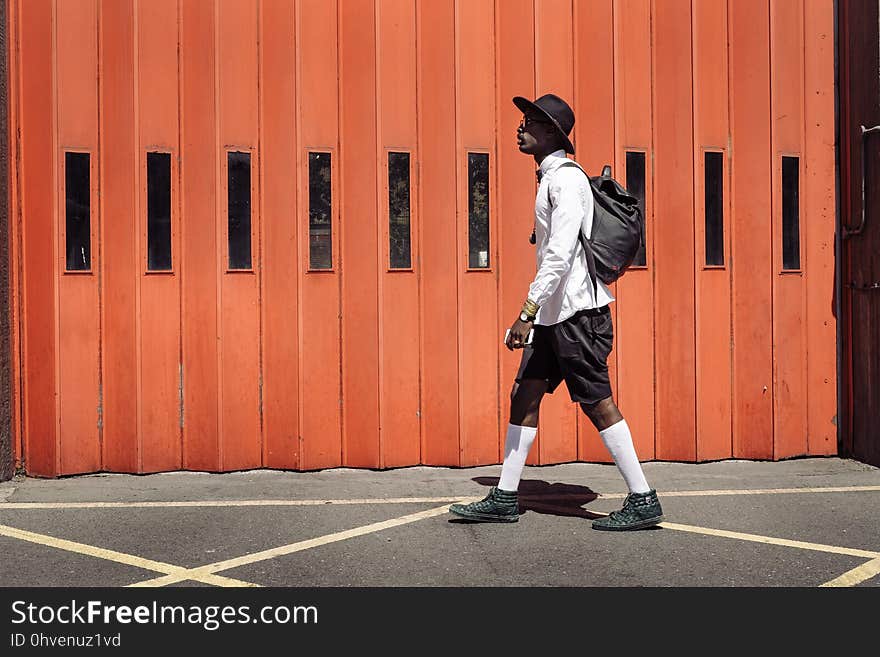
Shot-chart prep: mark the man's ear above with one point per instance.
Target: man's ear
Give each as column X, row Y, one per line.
column 554, row 138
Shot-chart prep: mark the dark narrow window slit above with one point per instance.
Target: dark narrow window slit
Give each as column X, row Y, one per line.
column 158, row 211
column 791, row 241
column 78, row 211
column 478, row 210
column 239, row 209
column 714, row 207
column 399, row 236
column 320, row 211
column 635, row 184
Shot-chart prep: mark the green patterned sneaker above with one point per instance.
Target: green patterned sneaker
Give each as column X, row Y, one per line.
column 639, row 510
column 498, row 506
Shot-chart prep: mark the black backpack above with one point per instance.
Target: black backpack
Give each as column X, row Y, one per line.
column 617, row 228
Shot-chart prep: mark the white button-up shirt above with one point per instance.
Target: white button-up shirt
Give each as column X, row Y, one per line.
column 562, row 284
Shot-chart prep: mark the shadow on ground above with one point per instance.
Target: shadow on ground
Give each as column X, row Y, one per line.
column 553, row 499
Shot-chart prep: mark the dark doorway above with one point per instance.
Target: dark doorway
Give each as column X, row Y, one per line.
column 858, row 238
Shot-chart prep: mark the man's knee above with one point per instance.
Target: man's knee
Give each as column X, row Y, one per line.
column 600, row 406
column 528, row 390
column 602, row 413
column 525, row 401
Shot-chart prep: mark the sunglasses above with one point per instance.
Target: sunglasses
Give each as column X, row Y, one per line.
column 530, row 120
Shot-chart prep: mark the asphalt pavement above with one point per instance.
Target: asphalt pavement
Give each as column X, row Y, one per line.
column 796, row 523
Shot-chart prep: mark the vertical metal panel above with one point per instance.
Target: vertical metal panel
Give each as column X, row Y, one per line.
column 478, row 323
column 713, row 344
column 280, row 389
column 240, row 331
column 8, row 450
column 554, row 64
column 159, row 306
column 819, row 222
column 514, row 28
column 594, row 104
column 120, row 273
column 199, row 250
column 319, row 308
column 554, row 44
column 12, row 28
column 634, row 293
column 437, row 181
column 76, row 42
column 39, row 280
column 398, row 295
column 360, row 234
column 673, row 210
column 789, row 342
column 749, row 54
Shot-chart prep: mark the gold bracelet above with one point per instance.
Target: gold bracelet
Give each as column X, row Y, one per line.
column 530, row 308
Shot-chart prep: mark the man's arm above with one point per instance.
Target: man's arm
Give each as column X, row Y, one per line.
column 569, row 203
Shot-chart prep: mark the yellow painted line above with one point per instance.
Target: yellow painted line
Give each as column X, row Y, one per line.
column 226, row 582
column 113, row 555
column 736, row 491
column 299, row 546
column 778, row 491
column 818, row 547
column 856, row 575
column 222, row 503
column 11, row 506
column 769, row 491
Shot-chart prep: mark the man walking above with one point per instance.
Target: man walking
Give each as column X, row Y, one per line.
column 571, row 323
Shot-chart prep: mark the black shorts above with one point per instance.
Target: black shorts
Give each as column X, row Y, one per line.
column 575, row 350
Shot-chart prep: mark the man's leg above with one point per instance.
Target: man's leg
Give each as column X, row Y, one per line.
column 502, row 502
column 525, row 404
column 616, row 435
column 641, row 508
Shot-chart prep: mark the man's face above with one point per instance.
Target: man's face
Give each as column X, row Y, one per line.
column 534, row 134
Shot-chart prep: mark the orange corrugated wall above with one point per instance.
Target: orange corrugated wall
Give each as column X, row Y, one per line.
column 206, row 368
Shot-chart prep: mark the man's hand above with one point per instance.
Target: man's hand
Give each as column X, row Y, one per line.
column 518, row 333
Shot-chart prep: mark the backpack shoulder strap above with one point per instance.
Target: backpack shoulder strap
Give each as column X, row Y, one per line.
column 572, row 163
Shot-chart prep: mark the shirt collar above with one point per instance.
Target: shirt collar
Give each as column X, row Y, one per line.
column 548, row 162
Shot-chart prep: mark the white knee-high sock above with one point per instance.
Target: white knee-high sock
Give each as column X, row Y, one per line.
column 618, row 441
column 516, row 448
